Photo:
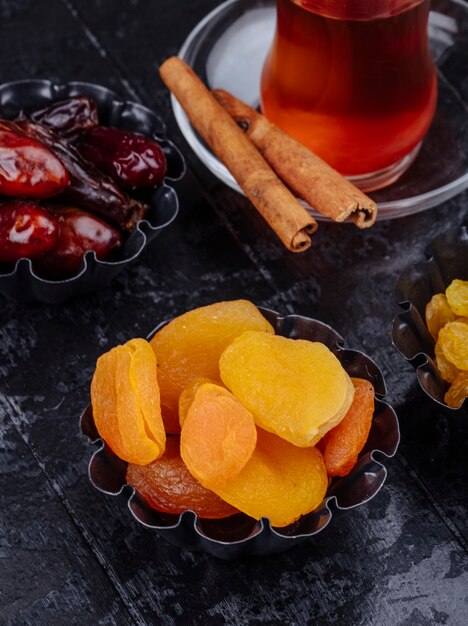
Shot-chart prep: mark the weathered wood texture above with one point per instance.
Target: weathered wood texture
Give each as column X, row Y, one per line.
column 71, row 555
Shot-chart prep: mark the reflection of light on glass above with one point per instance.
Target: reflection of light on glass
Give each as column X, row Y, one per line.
column 441, row 31
column 237, row 49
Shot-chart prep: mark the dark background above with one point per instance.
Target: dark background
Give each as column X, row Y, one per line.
column 68, row 554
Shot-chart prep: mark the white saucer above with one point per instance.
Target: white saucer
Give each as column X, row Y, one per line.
column 227, row 50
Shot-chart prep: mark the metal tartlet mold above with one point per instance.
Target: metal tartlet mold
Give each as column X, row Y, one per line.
column 446, row 258
column 240, row 535
column 20, row 281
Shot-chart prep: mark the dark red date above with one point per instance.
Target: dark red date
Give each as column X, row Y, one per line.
column 89, row 188
column 26, row 231
column 28, row 168
column 78, row 232
column 68, row 118
column 132, row 160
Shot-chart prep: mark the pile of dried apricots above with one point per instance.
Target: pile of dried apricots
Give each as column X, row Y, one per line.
column 217, row 414
column 447, row 322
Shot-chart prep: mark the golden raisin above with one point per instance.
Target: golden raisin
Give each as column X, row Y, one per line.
column 453, row 339
column 447, row 370
column 438, row 313
column 457, row 296
column 458, row 391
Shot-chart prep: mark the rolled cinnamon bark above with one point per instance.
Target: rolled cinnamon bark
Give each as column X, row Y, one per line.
column 288, row 218
column 313, row 180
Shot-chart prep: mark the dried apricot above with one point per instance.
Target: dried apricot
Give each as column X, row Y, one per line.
column 168, row 486
column 457, row 296
column 187, row 396
column 218, row 436
column 447, row 370
column 294, row 388
column 453, row 339
column 125, row 401
column 458, row 391
column 280, row 481
column 438, row 313
column 190, row 346
column 344, row 442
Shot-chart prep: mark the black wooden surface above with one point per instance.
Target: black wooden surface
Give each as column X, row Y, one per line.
column 71, row 555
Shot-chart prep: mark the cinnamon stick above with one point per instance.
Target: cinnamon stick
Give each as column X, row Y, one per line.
column 313, row 180
column 288, row 218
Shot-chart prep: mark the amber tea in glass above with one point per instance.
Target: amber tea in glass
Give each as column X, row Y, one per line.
column 354, row 81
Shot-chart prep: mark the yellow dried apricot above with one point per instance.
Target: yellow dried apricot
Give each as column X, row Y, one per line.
column 453, row 339
column 457, row 296
column 458, row 391
column 218, row 436
column 438, row 313
column 280, row 481
column 125, row 401
column 187, row 396
column 294, row 388
column 144, row 382
column 168, row 486
column 447, row 370
column 190, row 347
column 344, row 442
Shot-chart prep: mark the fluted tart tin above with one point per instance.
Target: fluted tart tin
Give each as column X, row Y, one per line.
column 446, row 259
column 240, row 535
column 20, row 281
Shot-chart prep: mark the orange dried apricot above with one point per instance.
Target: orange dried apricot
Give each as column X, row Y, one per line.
column 218, row 436
column 457, row 296
column 343, row 443
column 168, row 486
column 438, row 313
column 190, row 346
column 280, row 481
column 125, row 401
column 458, row 391
column 453, row 339
column 187, row 396
column 447, row 370
column 294, row 388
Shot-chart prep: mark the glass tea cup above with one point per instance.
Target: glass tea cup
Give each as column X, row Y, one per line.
column 354, row 81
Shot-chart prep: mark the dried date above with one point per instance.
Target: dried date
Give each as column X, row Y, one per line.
column 89, row 188
column 26, row 231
